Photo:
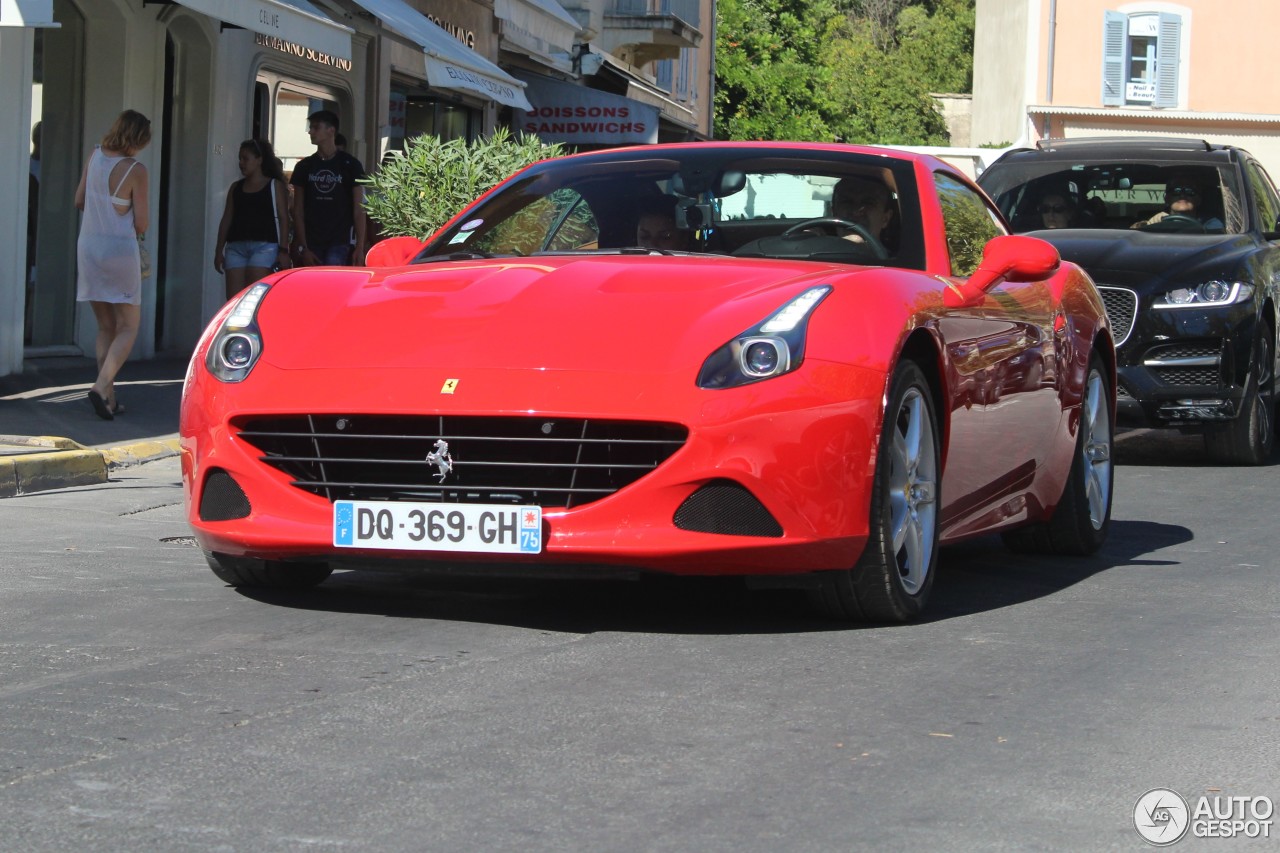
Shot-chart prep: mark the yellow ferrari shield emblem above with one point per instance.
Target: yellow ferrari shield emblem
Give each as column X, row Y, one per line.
column 449, row 386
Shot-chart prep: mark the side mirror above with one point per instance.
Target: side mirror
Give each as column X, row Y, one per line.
column 393, row 252
column 1008, row 258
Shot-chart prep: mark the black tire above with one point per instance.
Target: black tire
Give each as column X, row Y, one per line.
column 1251, row 437
column 1082, row 518
column 266, row 574
column 892, row 578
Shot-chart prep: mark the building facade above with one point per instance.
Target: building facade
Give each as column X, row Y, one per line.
column 211, row 73
column 1052, row 68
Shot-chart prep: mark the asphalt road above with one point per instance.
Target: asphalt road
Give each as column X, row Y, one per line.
column 145, row 706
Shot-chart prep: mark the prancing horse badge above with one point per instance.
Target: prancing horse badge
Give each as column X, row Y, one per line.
column 449, row 386
column 441, row 459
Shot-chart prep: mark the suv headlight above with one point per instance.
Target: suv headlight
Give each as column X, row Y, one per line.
column 1206, row 295
column 772, row 348
column 237, row 344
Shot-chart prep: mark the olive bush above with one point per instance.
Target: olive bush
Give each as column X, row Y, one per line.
column 417, row 190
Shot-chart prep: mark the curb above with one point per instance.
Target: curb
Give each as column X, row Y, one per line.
column 65, row 464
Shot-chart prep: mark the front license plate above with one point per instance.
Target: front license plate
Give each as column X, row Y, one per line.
column 402, row 526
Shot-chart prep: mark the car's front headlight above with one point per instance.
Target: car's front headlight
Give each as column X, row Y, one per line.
column 772, row 348
column 237, row 344
column 1206, row 295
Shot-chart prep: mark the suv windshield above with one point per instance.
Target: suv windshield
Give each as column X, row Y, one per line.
column 1170, row 197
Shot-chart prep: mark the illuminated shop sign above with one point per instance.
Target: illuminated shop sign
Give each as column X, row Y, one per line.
column 467, row 37
column 301, row 52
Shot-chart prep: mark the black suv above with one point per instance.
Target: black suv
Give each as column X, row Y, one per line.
column 1177, row 234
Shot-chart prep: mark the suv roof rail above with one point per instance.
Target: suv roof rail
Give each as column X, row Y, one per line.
column 1161, row 143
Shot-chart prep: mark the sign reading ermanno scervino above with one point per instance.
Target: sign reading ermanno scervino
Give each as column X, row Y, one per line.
column 303, row 52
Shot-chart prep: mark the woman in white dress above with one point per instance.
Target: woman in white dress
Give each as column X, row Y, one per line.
column 113, row 196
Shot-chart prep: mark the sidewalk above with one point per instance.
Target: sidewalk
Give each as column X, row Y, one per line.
column 50, row 437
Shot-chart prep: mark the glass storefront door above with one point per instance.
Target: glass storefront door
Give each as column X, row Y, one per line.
column 56, row 121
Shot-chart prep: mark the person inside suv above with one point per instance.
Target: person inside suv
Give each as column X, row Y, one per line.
column 1057, row 210
column 1183, row 197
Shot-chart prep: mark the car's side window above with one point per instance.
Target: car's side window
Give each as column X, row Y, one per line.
column 1264, row 195
column 969, row 222
column 562, row 220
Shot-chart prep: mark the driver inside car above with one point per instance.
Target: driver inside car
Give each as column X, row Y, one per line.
column 1183, row 197
column 866, row 202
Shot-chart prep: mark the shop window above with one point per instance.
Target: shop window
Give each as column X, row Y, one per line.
column 261, row 111
column 417, row 115
column 1140, row 59
column 289, row 122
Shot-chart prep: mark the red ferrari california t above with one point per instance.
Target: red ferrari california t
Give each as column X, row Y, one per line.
column 806, row 364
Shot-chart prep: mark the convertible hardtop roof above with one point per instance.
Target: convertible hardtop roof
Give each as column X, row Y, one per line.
column 1154, row 149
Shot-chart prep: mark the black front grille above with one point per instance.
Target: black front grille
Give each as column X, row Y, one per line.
column 723, row 506
column 1122, row 311
column 1206, row 350
column 222, row 498
column 1199, row 365
column 1187, row 375
column 550, row 462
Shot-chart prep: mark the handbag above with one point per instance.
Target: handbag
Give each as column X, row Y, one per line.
column 144, row 258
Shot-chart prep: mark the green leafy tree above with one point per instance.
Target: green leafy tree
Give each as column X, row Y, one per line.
column 855, row 70
column 417, row 190
column 770, row 82
column 938, row 44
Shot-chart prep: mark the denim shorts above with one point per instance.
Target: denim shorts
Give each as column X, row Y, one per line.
column 250, row 253
column 332, row 254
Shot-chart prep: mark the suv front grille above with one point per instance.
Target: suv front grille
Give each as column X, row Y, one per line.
column 1187, row 375
column 1195, row 363
column 550, row 462
column 1122, row 310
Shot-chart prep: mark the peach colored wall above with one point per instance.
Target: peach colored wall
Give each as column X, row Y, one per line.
column 1231, row 46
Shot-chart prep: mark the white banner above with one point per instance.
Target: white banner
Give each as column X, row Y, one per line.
column 576, row 115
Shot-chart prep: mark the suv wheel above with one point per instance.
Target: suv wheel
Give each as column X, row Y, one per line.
column 1250, row 438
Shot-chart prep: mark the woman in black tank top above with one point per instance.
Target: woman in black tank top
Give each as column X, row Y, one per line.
column 253, row 236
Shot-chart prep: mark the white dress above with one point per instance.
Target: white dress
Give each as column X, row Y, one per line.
column 108, row 266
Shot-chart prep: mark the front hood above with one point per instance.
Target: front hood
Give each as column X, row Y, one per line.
column 618, row 313
column 1143, row 260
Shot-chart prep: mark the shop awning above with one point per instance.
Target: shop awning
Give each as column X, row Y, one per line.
column 295, row 21
column 27, row 13
column 450, row 65
column 545, row 20
column 576, row 115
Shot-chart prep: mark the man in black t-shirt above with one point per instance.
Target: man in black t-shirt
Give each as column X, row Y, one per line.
column 328, row 204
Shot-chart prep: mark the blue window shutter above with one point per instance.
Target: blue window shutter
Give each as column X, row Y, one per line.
column 1168, row 50
column 662, row 72
column 1115, row 46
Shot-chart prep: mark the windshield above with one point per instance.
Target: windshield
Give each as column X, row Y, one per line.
column 813, row 205
column 1193, row 197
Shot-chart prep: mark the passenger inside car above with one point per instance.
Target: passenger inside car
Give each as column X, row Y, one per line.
column 656, row 225
column 1096, row 210
column 1057, row 210
column 867, row 202
column 1184, row 204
